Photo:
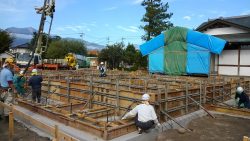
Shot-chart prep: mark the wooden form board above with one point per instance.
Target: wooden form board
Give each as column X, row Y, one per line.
column 230, row 110
column 99, row 128
column 173, row 99
column 46, row 128
column 106, row 92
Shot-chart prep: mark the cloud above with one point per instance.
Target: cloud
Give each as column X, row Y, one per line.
column 187, row 18
column 137, row 1
column 110, row 8
column 133, row 29
column 74, row 28
column 201, row 16
column 247, row 12
column 9, row 6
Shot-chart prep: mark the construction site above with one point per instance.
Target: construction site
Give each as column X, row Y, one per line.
column 80, row 102
column 192, row 78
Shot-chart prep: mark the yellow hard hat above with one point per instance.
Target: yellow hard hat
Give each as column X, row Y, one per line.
column 9, row 60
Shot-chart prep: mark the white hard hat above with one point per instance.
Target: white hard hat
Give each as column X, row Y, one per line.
column 102, row 63
column 145, row 97
column 21, row 72
column 34, row 71
column 239, row 90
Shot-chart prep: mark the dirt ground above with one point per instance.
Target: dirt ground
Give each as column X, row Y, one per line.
column 21, row 133
column 222, row 128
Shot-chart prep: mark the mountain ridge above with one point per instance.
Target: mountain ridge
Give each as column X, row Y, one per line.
column 24, row 35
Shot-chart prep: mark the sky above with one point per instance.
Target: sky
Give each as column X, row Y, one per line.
column 111, row 21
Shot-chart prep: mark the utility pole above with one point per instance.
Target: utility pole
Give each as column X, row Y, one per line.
column 123, row 39
column 108, row 40
column 81, row 35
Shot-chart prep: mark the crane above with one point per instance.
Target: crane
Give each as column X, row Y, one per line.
column 47, row 10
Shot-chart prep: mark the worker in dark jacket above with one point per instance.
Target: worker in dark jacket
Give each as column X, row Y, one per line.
column 241, row 98
column 35, row 82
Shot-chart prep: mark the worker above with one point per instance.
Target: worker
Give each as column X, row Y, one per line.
column 102, row 70
column 7, row 88
column 145, row 116
column 19, row 81
column 241, row 98
column 35, row 82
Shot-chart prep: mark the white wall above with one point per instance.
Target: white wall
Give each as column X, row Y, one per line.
column 245, row 57
column 224, row 30
column 226, row 70
column 229, row 57
column 245, row 71
column 20, row 50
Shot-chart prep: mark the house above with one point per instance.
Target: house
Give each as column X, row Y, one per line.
column 93, row 61
column 93, row 52
column 181, row 51
column 4, row 56
column 22, row 48
column 234, row 59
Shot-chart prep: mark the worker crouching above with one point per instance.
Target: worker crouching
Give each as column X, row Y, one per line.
column 35, row 82
column 241, row 98
column 145, row 116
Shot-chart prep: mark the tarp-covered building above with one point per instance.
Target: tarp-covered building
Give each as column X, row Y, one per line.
column 234, row 60
column 181, row 51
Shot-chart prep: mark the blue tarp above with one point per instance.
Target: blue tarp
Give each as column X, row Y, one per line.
column 209, row 42
column 199, row 47
column 198, row 60
column 152, row 44
column 156, row 61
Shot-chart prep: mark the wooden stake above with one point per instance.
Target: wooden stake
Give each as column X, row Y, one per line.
column 56, row 133
column 11, row 126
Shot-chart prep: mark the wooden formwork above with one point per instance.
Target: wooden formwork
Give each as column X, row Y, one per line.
column 90, row 99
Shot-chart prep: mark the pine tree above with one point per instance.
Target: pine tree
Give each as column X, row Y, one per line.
column 156, row 18
column 5, row 41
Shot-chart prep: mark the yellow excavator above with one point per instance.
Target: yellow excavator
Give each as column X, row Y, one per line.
column 71, row 60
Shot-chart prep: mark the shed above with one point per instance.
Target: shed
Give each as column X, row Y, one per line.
column 181, row 51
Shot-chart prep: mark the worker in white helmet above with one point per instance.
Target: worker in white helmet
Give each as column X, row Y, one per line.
column 102, row 70
column 241, row 98
column 145, row 116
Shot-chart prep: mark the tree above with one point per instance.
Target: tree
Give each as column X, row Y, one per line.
column 140, row 61
column 5, row 41
column 156, row 18
column 59, row 48
column 113, row 54
column 44, row 39
column 129, row 55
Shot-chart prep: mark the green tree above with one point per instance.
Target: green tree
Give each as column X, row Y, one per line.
column 44, row 39
column 156, row 18
column 140, row 61
column 5, row 41
column 59, row 48
column 129, row 55
column 113, row 54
